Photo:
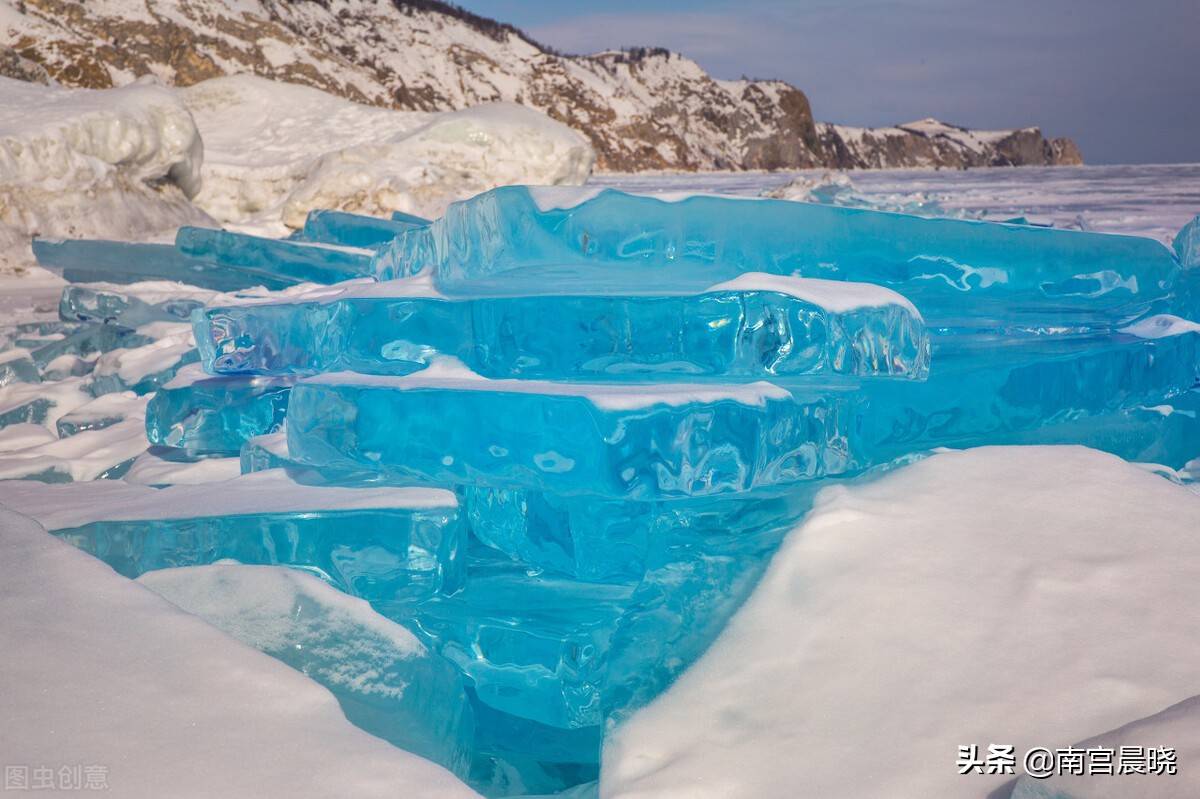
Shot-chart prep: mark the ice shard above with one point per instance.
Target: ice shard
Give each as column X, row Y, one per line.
column 754, row 326
column 93, row 261
column 292, row 260
column 1187, row 244
column 354, row 230
column 130, row 306
column 206, row 415
column 395, row 544
column 387, row 681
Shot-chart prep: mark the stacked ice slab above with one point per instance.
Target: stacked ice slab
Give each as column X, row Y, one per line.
column 554, row 436
column 634, row 398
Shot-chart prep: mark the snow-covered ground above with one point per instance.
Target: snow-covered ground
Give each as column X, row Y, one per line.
column 1145, row 200
column 1023, row 596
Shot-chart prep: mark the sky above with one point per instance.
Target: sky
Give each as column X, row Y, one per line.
column 1121, row 77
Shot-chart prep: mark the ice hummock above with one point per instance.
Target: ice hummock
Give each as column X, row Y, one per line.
column 630, row 429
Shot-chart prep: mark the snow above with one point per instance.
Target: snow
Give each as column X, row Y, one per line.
column 83, row 456
column 119, row 163
column 152, row 470
column 1177, row 727
column 98, row 670
column 450, row 374
column 1014, row 595
column 276, row 151
column 58, row 507
column 837, row 296
column 257, row 603
column 1153, row 200
column 1161, row 326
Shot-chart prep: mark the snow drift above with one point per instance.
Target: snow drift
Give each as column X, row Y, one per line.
column 119, row 163
column 277, row 151
column 1012, row 595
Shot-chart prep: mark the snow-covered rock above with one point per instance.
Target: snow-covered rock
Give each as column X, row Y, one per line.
column 1024, row 596
column 641, row 108
column 121, row 163
column 101, row 673
column 277, row 151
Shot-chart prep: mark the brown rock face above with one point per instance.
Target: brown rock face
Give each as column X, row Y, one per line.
column 641, row 108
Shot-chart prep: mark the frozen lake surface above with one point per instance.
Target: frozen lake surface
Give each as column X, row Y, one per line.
column 1146, row 200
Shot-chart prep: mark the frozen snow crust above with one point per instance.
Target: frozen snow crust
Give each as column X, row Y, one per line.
column 497, row 479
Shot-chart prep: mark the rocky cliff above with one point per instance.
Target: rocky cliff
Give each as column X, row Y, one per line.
column 642, row 109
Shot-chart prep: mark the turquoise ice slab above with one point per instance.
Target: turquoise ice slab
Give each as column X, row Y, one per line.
column 446, row 425
column 546, row 240
column 17, row 366
column 1187, row 244
column 354, row 230
column 650, row 441
column 989, row 389
column 206, row 415
column 530, row 645
column 107, row 305
column 396, row 544
column 387, row 682
column 387, row 328
column 292, row 260
column 98, row 261
column 599, row 540
column 755, row 326
column 409, row 219
column 86, row 340
column 515, row 756
column 567, row 653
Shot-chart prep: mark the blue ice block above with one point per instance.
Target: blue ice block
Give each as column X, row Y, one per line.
column 755, row 326
column 354, row 230
column 633, row 441
column 97, row 261
column 359, row 328
column 291, row 260
column 387, row 682
column 988, row 389
column 515, row 756
column 88, row 339
column 409, row 219
column 394, row 544
column 546, row 240
column 107, row 305
column 17, row 366
column 600, row 540
column 1187, row 244
column 206, row 415
column 530, row 645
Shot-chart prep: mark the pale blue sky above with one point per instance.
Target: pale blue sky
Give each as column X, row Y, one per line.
column 1122, row 77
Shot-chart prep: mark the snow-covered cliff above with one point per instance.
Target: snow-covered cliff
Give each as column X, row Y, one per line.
column 641, row 109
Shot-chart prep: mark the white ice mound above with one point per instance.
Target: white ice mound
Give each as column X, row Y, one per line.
column 276, row 151
column 1003, row 595
column 113, row 163
column 98, row 670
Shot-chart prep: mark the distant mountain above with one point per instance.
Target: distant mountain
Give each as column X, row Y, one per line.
column 642, row 108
